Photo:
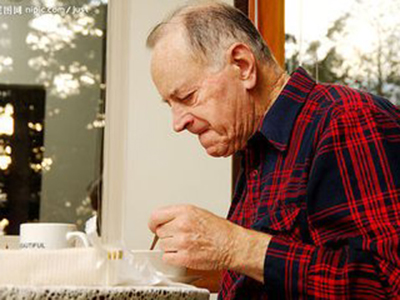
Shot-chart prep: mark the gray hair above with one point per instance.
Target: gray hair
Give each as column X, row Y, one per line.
column 211, row 29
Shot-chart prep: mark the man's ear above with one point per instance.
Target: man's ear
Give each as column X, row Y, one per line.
column 241, row 57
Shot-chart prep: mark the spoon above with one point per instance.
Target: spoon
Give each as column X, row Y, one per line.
column 153, row 244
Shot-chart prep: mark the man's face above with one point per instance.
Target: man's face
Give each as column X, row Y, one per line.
column 212, row 104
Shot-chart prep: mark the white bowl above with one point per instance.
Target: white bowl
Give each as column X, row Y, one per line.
column 155, row 257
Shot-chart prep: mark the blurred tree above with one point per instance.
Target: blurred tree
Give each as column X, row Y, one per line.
column 340, row 58
column 325, row 64
column 378, row 70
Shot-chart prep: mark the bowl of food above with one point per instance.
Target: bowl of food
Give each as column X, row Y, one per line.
column 154, row 257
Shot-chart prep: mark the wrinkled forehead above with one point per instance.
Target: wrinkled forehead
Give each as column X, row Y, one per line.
column 169, row 53
column 172, row 64
column 170, row 41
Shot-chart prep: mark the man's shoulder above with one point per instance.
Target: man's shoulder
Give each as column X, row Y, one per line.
column 339, row 99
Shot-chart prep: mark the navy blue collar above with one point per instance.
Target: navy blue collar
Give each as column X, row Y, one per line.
column 279, row 121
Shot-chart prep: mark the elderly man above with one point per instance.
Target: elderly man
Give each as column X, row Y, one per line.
column 316, row 211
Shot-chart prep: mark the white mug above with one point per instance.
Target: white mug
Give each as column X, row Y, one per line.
column 50, row 236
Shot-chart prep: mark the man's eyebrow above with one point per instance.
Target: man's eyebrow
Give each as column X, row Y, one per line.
column 174, row 93
column 181, row 94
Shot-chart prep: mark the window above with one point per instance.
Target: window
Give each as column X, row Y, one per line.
column 351, row 42
column 52, row 87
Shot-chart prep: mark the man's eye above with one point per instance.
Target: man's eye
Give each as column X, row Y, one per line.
column 188, row 97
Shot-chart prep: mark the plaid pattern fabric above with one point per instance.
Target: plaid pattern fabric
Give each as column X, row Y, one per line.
column 322, row 175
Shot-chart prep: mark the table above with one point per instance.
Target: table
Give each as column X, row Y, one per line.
column 102, row 293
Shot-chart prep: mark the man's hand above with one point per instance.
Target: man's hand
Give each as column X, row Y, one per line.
column 193, row 237
column 197, row 239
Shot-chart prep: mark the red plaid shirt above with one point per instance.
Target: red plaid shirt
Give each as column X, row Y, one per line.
column 322, row 175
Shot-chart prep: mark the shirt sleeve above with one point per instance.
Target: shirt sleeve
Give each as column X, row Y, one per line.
column 353, row 207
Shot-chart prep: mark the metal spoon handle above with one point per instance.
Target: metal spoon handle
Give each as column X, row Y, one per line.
column 153, row 244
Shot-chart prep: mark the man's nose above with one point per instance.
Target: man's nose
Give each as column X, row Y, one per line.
column 181, row 119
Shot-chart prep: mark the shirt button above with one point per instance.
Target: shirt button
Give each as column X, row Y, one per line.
column 254, row 174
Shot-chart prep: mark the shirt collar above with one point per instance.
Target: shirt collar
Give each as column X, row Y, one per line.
column 279, row 120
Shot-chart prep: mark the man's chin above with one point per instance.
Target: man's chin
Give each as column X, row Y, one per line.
column 216, row 151
column 216, row 148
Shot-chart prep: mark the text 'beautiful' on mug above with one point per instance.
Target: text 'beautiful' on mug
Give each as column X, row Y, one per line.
column 50, row 236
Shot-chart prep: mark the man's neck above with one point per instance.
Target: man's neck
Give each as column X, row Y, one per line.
column 272, row 81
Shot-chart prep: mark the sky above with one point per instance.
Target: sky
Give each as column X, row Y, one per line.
column 313, row 17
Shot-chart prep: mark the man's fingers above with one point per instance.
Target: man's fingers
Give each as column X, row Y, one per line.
column 165, row 230
column 178, row 242
column 168, row 244
column 163, row 215
column 175, row 258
